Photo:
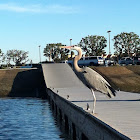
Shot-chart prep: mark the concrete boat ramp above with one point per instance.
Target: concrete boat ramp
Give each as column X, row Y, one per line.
column 121, row 114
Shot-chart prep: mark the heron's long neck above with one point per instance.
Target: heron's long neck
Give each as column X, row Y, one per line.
column 78, row 57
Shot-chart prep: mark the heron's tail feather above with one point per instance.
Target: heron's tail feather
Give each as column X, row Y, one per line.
column 111, row 91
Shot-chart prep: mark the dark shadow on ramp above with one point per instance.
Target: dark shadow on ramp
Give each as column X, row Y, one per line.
column 28, row 83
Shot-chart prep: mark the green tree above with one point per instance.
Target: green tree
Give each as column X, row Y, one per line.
column 93, row 45
column 138, row 51
column 54, row 52
column 17, row 56
column 126, row 43
column 1, row 56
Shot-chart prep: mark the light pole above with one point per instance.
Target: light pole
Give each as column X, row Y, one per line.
column 39, row 54
column 71, row 51
column 70, row 41
column 109, row 41
column 70, row 45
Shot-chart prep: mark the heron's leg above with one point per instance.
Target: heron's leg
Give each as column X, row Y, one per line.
column 94, row 101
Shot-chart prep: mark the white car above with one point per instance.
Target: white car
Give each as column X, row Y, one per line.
column 109, row 62
column 89, row 61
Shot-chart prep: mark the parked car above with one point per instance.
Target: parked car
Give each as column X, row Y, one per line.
column 27, row 66
column 89, row 61
column 109, row 62
column 64, row 61
column 136, row 60
column 125, row 61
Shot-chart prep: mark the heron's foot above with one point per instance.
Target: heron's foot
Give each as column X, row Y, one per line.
column 94, row 114
column 93, row 111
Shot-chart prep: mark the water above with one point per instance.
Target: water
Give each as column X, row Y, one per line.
column 27, row 118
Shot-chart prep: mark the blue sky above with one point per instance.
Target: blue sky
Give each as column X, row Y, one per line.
column 26, row 24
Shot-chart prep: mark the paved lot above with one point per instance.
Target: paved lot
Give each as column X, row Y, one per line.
column 122, row 112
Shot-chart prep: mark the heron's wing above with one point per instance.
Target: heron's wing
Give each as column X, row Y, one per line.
column 96, row 81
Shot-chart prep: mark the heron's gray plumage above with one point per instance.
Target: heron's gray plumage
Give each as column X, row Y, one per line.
column 94, row 80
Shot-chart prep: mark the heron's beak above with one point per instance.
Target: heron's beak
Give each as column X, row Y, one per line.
column 65, row 47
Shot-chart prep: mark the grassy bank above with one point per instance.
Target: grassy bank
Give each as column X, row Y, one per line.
column 7, row 79
column 125, row 78
column 21, row 82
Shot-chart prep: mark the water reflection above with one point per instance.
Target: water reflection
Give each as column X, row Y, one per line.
column 27, row 118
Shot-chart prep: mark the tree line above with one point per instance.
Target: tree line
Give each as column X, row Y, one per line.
column 125, row 44
column 14, row 56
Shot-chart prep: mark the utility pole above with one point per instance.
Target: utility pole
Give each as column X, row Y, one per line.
column 39, row 54
column 70, row 45
column 71, row 51
column 70, row 41
column 109, row 41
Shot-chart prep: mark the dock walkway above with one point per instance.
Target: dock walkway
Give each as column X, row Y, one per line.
column 121, row 113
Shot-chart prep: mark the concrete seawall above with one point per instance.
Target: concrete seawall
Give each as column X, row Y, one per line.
column 78, row 123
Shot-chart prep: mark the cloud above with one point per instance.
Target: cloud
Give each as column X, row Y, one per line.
column 50, row 9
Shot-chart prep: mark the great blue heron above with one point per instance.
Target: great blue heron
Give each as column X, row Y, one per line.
column 92, row 79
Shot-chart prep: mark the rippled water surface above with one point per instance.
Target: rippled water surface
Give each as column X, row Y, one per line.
column 28, row 118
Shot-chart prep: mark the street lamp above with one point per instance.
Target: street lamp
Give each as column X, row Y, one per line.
column 39, row 54
column 109, row 41
column 70, row 41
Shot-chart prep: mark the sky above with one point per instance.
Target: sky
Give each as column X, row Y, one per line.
column 27, row 24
